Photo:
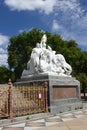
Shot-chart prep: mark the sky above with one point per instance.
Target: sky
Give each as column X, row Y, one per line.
column 67, row 18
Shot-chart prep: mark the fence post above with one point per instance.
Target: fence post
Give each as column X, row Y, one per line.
column 10, row 114
column 46, row 96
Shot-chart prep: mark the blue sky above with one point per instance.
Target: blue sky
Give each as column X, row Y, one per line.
column 65, row 17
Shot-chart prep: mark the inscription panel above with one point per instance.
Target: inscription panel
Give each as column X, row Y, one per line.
column 61, row 92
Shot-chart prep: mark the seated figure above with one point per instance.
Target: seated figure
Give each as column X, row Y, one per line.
column 33, row 64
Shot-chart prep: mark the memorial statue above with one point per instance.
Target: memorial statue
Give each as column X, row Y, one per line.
column 44, row 60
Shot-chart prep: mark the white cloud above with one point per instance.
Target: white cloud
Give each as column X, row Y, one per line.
column 55, row 25
column 3, row 59
column 41, row 5
column 21, row 31
column 65, row 5
column 4, row 40
column 68, row 17
column 47, row 6
column 71, row 18
column 2, row 51
column 72, row 9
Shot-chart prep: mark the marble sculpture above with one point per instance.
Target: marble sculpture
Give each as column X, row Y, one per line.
column 44, row 60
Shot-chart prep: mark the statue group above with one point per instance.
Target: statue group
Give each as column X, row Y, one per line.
column 44, row 60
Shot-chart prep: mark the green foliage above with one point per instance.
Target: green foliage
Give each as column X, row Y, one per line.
column 5, row 74
column 82, row 77
column 56, row 42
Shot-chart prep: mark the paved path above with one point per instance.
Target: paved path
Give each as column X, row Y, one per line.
column 76, row 120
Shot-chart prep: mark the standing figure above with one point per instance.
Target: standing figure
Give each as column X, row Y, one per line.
column 43, row 41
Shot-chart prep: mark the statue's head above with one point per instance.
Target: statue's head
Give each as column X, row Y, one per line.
column 37, row 45
column 44, row 38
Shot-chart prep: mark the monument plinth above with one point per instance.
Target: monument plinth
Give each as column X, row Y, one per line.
column 45, row 66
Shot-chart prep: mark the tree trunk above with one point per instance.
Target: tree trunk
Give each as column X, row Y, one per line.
column 84, row 94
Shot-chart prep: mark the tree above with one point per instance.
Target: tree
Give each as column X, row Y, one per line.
column 82, row 77
column 56, row 42
column 5, row 74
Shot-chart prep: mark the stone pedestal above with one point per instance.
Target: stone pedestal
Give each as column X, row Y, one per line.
column 64, row 94
column 63, row 91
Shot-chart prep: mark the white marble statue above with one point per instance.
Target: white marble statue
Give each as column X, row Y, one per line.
column 45, row 61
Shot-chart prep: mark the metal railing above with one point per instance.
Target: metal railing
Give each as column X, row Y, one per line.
column 22, row 100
